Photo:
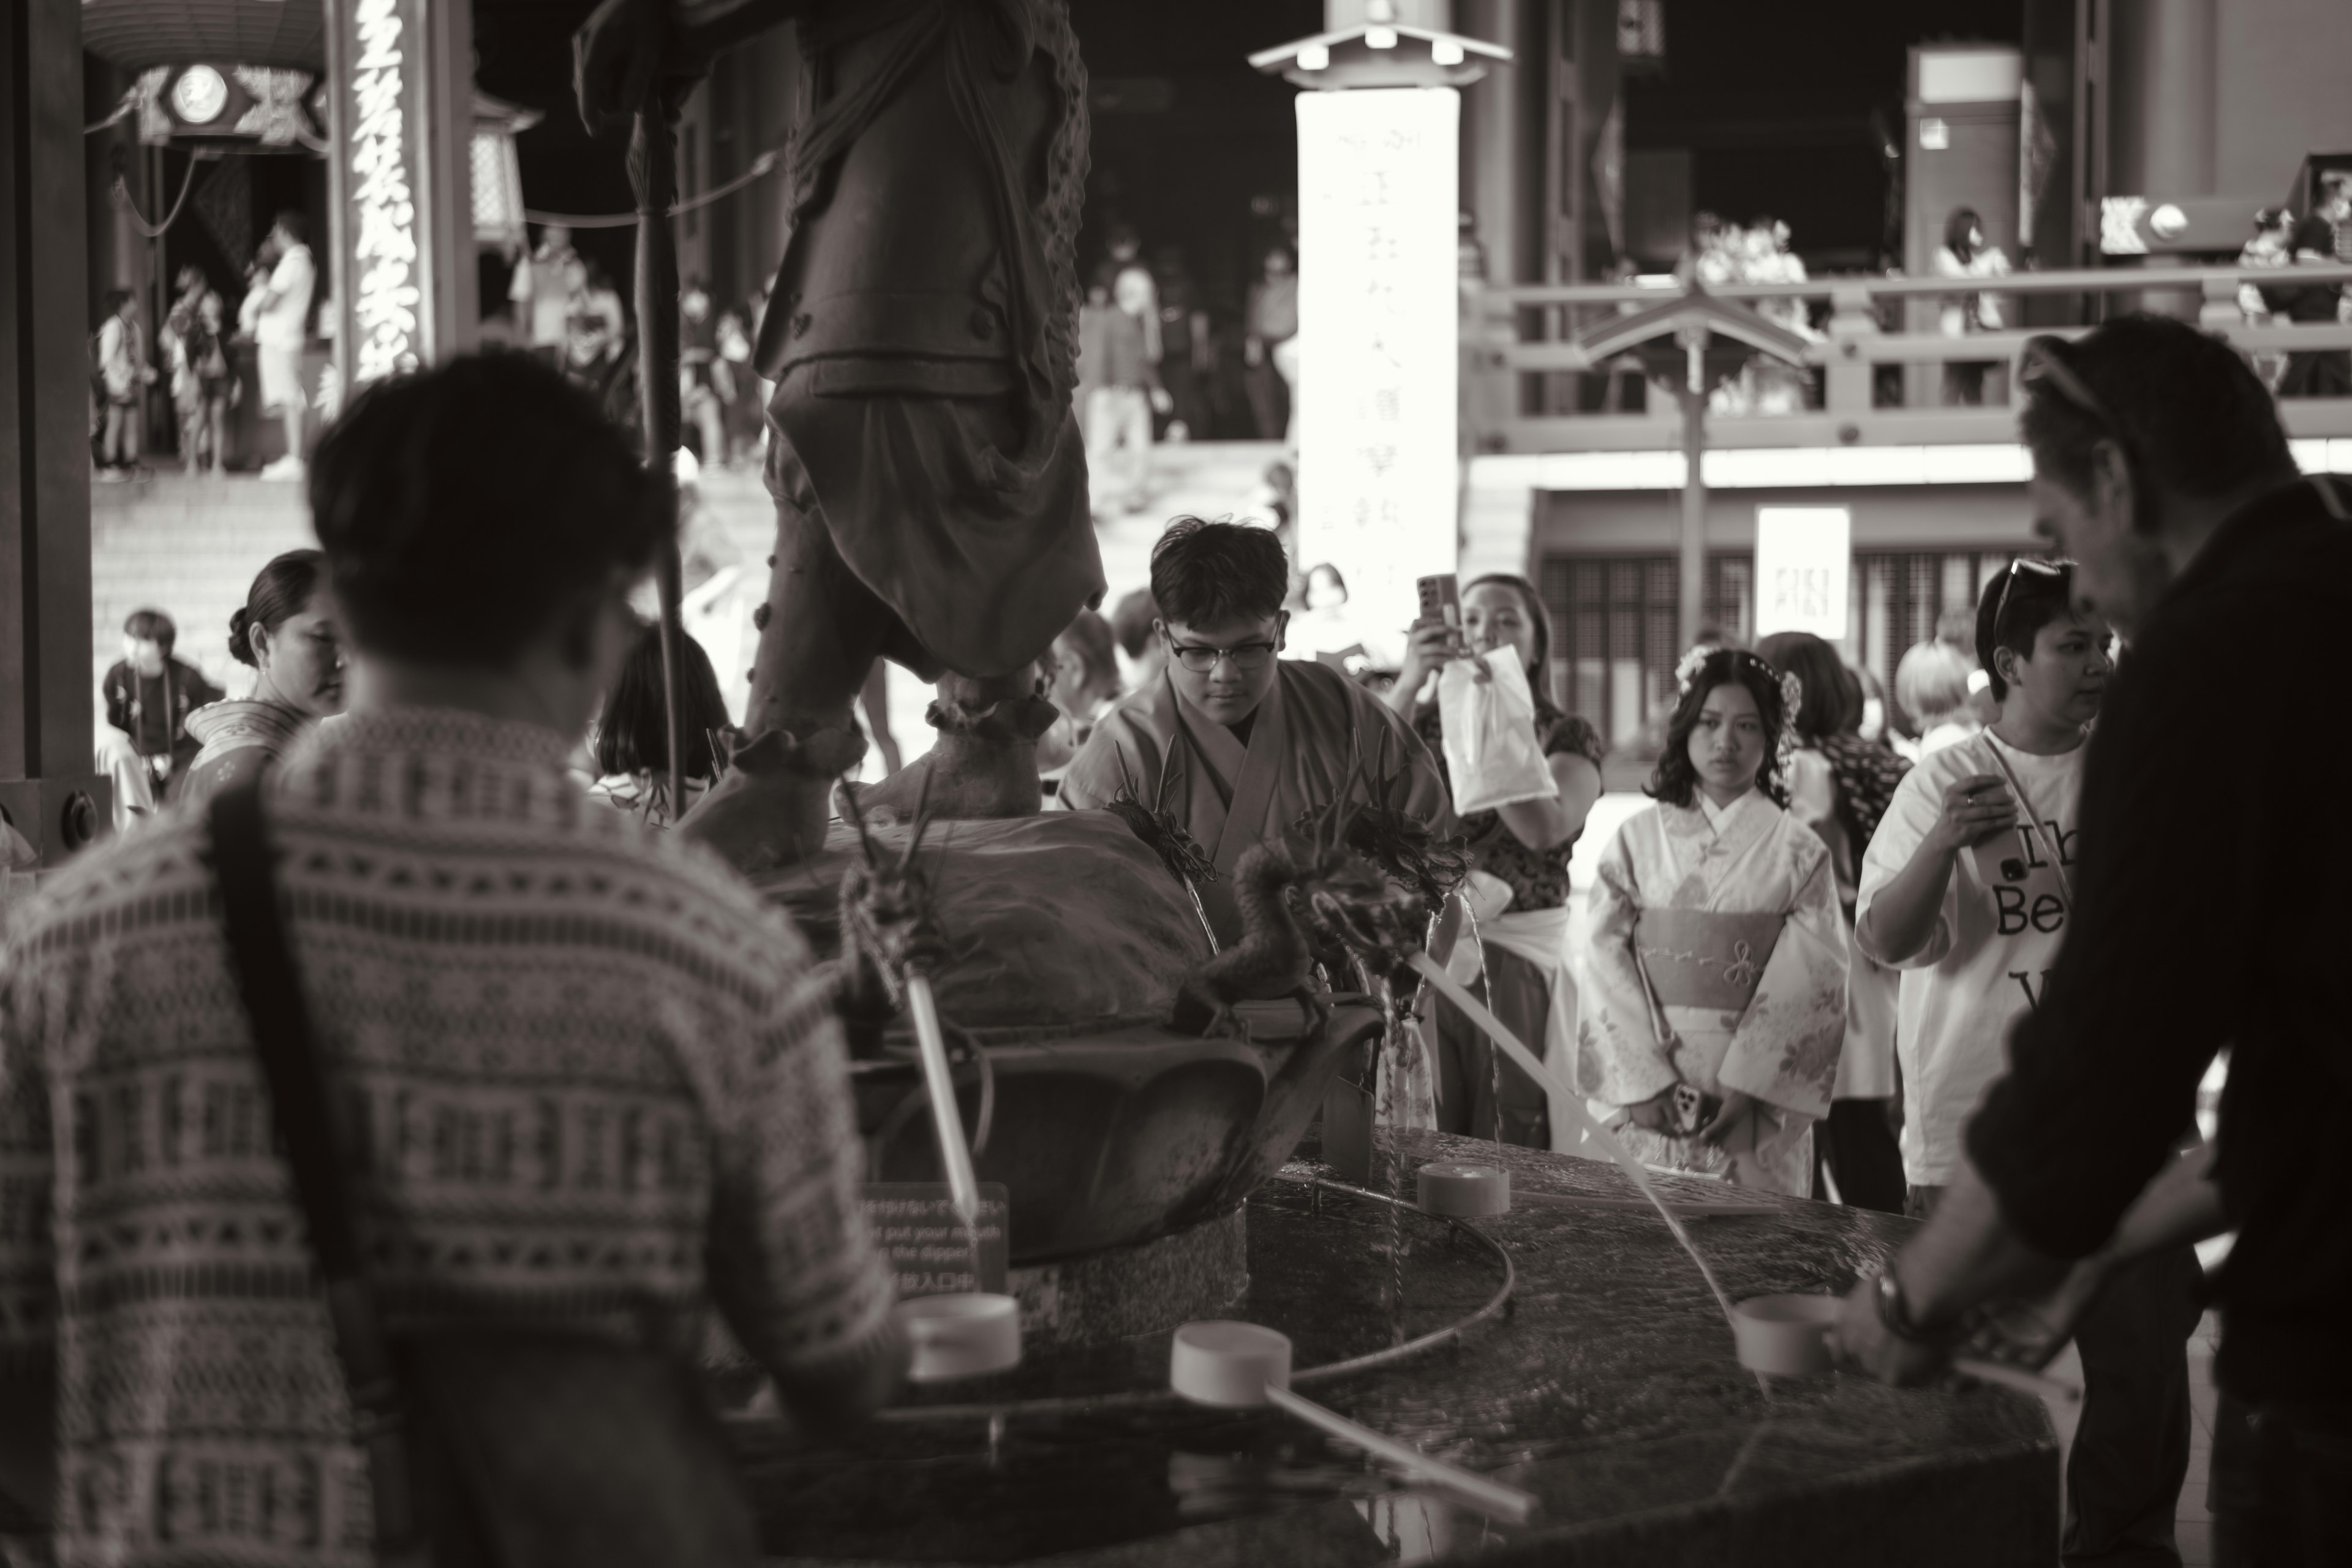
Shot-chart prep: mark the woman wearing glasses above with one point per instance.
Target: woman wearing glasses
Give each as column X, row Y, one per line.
column 1520, row 880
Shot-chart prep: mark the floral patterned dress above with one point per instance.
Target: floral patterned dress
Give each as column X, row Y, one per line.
column 1718, row 960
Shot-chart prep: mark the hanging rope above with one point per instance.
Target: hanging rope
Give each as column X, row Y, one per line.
column 130, row 102
column 155, row 230
column 765, row 163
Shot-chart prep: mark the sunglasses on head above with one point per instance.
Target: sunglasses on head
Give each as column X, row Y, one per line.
column 2027, row 565
column 2043, row 364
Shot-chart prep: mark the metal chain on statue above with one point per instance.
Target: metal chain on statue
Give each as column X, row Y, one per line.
column 653, row 172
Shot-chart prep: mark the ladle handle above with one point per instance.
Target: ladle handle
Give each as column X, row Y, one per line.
column 2016, row 1377
column 1508, row 1504
column 2001, row 1372
column 947, row 1119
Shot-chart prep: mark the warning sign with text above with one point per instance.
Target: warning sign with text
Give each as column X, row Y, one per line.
column 930, row 1252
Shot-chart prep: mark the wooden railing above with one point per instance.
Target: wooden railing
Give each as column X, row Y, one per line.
column 1520, row 351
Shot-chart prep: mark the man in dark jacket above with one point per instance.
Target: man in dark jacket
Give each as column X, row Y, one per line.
column 2209, row 911
column 149, row 694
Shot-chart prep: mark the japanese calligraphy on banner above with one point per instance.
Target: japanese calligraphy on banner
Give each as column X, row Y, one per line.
column 1804, row 555
column 1378, row 308
column 381, row 60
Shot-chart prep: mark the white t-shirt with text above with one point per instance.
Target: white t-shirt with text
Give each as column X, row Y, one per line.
column 1996, row 937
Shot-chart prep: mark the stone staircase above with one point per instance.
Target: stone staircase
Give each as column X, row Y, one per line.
column 189, row 548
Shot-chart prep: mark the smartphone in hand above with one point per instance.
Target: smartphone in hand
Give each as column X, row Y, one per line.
column 1441, row 600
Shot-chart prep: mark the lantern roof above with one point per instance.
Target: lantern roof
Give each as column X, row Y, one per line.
column 1381, row 53
column 137, row 34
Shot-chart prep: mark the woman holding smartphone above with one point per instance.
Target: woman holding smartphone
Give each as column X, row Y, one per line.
column 1518, row 887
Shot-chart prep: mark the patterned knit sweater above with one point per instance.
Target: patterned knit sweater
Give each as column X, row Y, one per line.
column 590, row 1078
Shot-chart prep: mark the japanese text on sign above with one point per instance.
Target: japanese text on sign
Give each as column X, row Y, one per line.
column 931, row 1254
column 1804, row 558
column 1378, row 312
column 385, row 298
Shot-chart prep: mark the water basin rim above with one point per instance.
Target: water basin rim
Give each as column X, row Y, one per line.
column 1329, row 1372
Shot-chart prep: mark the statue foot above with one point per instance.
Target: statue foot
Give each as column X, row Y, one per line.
column 772, row 808
column 984, row 766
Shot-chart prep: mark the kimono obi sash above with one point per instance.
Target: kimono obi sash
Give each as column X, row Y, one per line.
column 1699, row 958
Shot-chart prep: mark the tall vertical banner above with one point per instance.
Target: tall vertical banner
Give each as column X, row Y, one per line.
column 1378, row 312
column 400, row 134
column 1804, row 557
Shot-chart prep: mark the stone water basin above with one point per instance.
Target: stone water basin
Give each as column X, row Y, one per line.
column 1110, row 1129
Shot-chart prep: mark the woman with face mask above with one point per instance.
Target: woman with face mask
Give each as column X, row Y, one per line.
column 287, row 631
column 1519, row 887
column 1967, row 253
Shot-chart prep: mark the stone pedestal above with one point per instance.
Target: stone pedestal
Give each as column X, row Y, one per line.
column 1199, row 1272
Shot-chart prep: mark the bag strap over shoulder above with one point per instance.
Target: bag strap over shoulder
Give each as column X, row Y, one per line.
column 272, row 993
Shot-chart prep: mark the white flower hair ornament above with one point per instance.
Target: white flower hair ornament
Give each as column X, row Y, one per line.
column 1792, row 702
column 1692, row 663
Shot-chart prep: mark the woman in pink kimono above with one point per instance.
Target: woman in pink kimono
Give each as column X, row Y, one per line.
column 1714, row 997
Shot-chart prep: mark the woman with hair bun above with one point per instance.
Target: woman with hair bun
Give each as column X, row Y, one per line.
column 1715, row 1003
column 289, row 632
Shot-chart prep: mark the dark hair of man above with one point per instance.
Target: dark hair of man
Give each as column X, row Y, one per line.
column 1854, row 685
column 633, row 735
column 280, row 590
column 115, row 300
column 1675, row 781
column 1203, row 571
column 1821, row 678
column 2316, row 233
column 1131, row 621
column 2188, row 413
column 1087, row 641
column 2016, row 606
column 1531, row 606
column 464, row 508
column 296, row 223
column 154, row 627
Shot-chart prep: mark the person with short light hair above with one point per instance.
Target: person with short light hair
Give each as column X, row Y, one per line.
column 1931, row 685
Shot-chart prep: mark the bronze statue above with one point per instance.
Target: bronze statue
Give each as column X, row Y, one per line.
column 930, row 479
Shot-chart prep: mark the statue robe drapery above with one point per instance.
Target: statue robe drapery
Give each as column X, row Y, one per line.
column 921, row 332
column 1303, row 740
column 1720, row 891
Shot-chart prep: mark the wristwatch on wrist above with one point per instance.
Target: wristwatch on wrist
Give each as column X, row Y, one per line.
column 1894, row 1316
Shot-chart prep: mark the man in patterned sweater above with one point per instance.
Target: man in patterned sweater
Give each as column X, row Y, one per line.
column 594, row 1082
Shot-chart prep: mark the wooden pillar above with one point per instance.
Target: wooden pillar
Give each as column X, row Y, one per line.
column 1691, row 601
column 2164, row 104
column 46, row 702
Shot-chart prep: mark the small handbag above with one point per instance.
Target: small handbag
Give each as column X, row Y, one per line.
column 491, row 1447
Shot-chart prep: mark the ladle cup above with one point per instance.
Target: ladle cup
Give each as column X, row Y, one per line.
column 966, row 1335
column 1789, row 1336
column 1235, row 1365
